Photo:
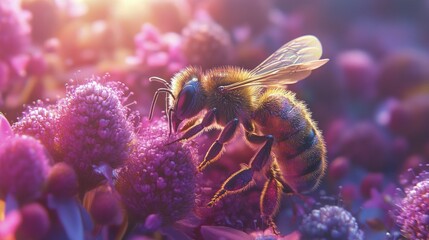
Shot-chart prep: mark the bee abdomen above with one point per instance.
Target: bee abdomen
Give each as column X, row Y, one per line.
column 304, row 168
column 299, row 147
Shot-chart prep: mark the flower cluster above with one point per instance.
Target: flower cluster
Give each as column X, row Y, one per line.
column 40, row 122
column 413, row 215
column 159, row 178
column 93, row 128
column 24, row 168
column 330, row 222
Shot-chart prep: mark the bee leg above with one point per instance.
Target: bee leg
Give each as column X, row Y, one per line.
column 208, row 120
column 274, row 172
column 270, row 202
column 237, row 182
column 262, row 156
column 270, row 198
column 216, row 148
column 241, row 180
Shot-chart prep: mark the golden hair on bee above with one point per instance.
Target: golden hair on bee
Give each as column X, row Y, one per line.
column 180, row 78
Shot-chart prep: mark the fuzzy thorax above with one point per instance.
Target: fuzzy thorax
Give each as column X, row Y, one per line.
column 232, row 103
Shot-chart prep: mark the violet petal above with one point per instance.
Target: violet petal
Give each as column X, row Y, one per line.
column 218, row 232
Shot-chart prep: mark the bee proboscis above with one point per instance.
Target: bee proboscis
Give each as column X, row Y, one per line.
column 293, row 152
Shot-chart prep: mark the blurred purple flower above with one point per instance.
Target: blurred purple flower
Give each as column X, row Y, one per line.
column 357, row 72
column 371, row 181
column 158, row 52
column 37, row 65
column 62, row 181
column 409, row 117
column 339, row 168
column 35, row 222
column 93, row 128
column 365, row 144
column 330, row 222
column 45, row 19
column 169, row 15
column 158, row 178
column 14, row 29
column 24, row 167
column 14, row 41
column 106, row 208
column 230, row 14
column 4, row 78
column 376, row 210
column 403, row 74
column 206, row 44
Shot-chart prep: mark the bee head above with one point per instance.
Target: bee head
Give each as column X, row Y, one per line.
column 185, row 96
column 189, row 96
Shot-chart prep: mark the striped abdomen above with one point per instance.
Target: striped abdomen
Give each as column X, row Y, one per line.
column 299, row 148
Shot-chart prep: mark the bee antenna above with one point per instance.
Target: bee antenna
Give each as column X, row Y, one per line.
column 170, row 121
column 161, row 80
column 155, row 97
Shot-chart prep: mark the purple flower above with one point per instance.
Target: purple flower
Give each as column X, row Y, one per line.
column 231, row 14
column 402, row 74
column 169, row 15
column 93, row 129
column 357, row 72
column 14, row 28
column 62, row 181
column 339, row 168
column 45, row 19
column 409, row 117
column 24, row 167
column 106, row 208
column 206, row 44
column 330, row 222
column 158, row 179
column 413, row 216
column 40, row 122
column 365, row 144
column 35, row 222
column 371, row 181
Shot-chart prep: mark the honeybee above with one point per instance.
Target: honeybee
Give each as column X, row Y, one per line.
column 292, row 152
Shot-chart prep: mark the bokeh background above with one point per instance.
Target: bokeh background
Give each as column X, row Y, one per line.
column 371, row 100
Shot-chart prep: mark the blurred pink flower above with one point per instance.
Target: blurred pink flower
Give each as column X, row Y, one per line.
column 156, row 51
column 5, row 128
column 14, row 28
column 9, row 225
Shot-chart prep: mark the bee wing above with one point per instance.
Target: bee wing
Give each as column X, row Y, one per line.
column 292, row 62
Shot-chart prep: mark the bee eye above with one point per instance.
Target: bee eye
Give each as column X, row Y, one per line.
column 185, row 101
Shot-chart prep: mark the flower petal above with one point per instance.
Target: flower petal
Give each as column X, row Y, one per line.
column 218, row 233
